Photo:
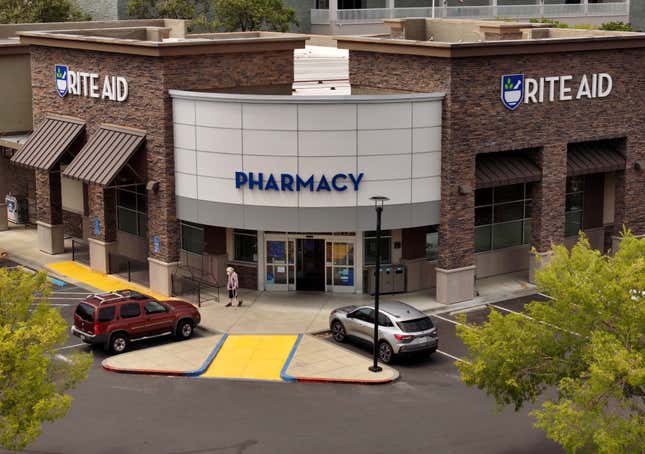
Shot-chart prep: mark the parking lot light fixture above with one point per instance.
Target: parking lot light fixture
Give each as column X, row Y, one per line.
column 379, row 201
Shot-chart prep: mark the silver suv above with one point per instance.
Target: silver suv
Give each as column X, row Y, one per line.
column 402, row 328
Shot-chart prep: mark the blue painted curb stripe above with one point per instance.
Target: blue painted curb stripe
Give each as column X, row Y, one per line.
column 209, row 360
column 283, row 372
column 57, row 282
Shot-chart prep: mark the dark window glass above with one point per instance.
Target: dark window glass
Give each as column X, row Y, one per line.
column 574, row 206
column 484, row 215
column 483, row 196
column 245, row 245
column 86, row 312
column 414, row 326
column 106, row 314
column 507, row 234
column 130, row 310
column 153, row 307
column 370, row 250
column 432, row 242
column 365, row 314
column 510, row 193
column 384, row 320
column 192, row 238
column 502, row 217
column 483, row 238
column 132, row 209
column 508, row 212
column 575, row 184
column 572, row 223
column 574, row 202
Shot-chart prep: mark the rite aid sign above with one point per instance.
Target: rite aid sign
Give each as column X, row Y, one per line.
column 516, row 88
column 113, row 88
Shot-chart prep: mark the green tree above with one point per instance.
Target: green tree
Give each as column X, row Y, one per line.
column 169, row 9
column 33, row 380
column 588, row 342
column 21, row 11
column 250, row 15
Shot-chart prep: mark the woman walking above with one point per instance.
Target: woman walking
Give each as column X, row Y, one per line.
column 232, row 284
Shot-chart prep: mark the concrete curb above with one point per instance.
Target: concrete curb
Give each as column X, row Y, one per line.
column 194, row 373
column 473, row 303
column 287, row 363
column 347, row 381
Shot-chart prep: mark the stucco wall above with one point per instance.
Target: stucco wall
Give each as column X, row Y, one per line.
column 15, row 114
column 395, row 141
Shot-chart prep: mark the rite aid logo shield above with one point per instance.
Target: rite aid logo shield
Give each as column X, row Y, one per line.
column 61, row 80
column 512, row 90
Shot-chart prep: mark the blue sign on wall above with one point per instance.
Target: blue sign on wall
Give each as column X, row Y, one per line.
column 287, row 182
column 97, row 227
column 61, row 80
column 156, row 244
column 512, row 90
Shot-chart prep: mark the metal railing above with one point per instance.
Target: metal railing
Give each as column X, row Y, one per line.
column 130, row 269
column 194, row 289
column 368, row 15
column 80, row 251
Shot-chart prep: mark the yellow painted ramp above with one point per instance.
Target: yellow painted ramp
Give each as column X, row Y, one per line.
column 251, row 357
column 104, row 282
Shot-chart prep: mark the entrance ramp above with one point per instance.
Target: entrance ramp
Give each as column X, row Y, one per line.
column 252, row 357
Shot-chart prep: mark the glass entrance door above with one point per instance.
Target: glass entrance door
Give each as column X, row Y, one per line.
column 280, row 264
column 339, row 264
column 310, row 264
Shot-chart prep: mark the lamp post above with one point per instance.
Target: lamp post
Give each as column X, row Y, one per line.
column 378, row 204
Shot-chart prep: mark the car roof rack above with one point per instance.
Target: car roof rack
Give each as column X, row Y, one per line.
column 111, row 297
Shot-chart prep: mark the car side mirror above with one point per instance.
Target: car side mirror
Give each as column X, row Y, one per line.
column 350, row 315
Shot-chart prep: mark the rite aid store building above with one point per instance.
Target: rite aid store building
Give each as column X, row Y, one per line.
column 193, row 151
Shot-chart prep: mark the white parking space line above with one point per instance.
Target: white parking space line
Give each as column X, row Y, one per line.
column 510, row 310
column 70, row 346
column 531, row 318
column 64, row 358
column 448, row 320
column 452, row 357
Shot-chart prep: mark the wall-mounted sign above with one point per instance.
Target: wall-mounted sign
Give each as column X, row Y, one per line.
column 287, row 182
column 517, row 89
column 97, row 226
column 90, row 85
column 156, row 244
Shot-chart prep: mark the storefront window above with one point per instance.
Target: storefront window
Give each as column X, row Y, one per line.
column 245, row 245
column 340, row 263
column 574, row 206
column 131, row 210
column 370, row 247
column 192, row 238
column 502, row 217
column 432, row 242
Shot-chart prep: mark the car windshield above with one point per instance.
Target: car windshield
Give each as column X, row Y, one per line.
column 86, row 312
column 413, row 326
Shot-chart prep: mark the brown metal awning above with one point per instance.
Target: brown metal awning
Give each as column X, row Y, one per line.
column 501, row 169
column 49, row 142
column 107, row 152
column 593, row 157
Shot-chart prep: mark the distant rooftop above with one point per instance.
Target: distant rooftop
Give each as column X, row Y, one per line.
column 462, row 37
column 161, row 41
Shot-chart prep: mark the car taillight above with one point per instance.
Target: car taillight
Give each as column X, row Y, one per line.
column 403, row 337
column 96, row 328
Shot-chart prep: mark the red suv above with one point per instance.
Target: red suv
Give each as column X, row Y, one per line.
column 117, row 318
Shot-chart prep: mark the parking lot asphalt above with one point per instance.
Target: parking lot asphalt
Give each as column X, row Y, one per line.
column 427, row 410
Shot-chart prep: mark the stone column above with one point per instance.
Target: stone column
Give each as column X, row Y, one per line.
column 163, row 226
column 51, row 231
column 102, row 232
column 547, row 223
column 456, row 270
column 629, row 208
column 333, row 16
column 4, row 221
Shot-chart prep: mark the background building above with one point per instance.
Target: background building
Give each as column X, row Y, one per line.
column 637, row 15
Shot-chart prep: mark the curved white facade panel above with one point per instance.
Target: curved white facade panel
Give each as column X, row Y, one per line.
column 241, row 155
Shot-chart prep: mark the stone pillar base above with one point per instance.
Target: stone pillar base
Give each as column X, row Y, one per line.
column 536, row 261
column 100, row 255
column 456, row 285
column 161, row 275
column 51, row 238
column 4, row 222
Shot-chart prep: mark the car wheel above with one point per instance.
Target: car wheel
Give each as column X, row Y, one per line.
column 338, row 331
column 184, row 330
column 385, row 353
column 118, row 343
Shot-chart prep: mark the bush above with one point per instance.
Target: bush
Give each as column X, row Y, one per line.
column 617, row 26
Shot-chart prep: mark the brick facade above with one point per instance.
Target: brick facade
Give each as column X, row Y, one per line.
column 102, row 206
column 247, row 275
column 49, row 202
column 18, row 181
column 73, row 223
column 475, row 121
column 149, row 107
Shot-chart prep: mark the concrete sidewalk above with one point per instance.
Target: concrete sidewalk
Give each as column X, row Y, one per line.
column 252, row 357
column 261, row 312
